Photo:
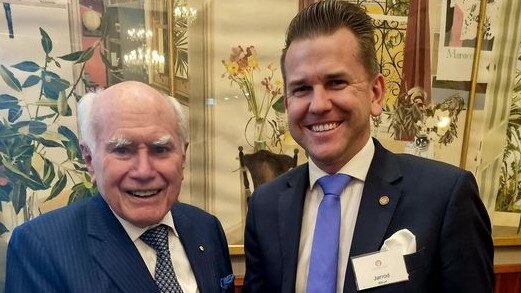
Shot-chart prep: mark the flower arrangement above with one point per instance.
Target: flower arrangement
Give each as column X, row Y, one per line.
column 413, row 118
column 241, row 67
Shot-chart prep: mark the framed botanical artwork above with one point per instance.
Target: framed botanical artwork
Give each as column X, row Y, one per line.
column 41, row 163
column 499, row 145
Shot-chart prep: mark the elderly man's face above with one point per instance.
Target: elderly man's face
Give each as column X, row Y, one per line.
column 138, row 159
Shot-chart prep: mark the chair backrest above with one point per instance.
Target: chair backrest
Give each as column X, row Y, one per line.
column 265, row 166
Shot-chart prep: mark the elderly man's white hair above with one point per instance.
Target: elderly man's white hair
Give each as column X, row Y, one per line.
column 86, row 120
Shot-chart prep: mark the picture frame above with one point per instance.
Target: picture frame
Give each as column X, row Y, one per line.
column 158, row 23
column 169, row 46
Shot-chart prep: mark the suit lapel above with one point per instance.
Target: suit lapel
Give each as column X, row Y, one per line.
column 290, row 210
column 114, row 252
column 191, row 241
column 374, row 218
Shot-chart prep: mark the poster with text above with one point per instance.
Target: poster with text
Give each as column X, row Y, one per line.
column 459, row 26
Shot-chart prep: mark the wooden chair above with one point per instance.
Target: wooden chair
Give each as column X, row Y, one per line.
column 263, row 166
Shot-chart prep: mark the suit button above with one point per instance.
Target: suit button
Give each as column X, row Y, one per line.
column 384, row 200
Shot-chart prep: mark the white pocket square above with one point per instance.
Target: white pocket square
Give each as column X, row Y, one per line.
column 402, row 241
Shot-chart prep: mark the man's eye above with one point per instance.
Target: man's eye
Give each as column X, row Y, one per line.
column 160, row 149
column 121, row 150
column 300, row 91
column 337, row 84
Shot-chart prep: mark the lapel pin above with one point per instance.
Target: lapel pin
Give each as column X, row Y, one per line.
column 201, row 248
column 384, row 200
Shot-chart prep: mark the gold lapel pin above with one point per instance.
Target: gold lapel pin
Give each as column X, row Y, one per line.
column 201, row 248
column 384, row 200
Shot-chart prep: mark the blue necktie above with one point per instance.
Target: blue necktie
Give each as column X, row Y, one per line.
column 323, row 264
column 165, row 278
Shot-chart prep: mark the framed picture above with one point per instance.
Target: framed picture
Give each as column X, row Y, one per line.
column 91, row 12
column 158, row 24
column 168, row 23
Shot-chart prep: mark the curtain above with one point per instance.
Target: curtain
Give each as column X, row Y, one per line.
column 417, row 59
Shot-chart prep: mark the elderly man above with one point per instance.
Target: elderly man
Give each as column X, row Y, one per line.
column 135, row 236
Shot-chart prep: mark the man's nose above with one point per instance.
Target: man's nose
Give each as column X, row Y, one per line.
column 320, row 100
column 143, row 166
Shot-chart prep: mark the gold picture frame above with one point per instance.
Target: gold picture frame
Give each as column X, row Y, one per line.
column 166, row 48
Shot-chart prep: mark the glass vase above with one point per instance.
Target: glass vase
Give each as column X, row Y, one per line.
column 259, row 139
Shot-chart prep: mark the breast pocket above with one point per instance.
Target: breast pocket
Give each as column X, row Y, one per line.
column 414, row 262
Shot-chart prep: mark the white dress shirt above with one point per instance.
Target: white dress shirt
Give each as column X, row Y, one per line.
column 183, row 270
column 350, row 198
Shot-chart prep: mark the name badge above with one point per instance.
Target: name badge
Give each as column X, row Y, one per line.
column 378, row 269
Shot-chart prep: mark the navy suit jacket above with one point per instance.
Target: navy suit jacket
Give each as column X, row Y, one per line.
column 84, row 248
column 437, row 202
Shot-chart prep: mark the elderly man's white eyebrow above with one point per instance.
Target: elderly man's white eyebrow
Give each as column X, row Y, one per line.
column 163, row 141
column 119, row 142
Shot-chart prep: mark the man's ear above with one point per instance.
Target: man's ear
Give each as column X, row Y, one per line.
column 87, row 157
column 184, row 155
column 378, row 94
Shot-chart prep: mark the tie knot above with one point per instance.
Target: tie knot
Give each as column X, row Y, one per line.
column 157, row 238
column 334, row 184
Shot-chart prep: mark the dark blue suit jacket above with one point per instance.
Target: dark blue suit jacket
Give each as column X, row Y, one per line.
column 437, row 202
column 84, row 248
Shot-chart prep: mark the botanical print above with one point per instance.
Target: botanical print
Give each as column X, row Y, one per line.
column 462, row 23
column 436, row 121
column 509, row 194
column 9, row 19
column 40, row 159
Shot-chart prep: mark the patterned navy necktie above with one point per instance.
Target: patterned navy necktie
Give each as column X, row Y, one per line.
column 157, row 238
column 323, row 263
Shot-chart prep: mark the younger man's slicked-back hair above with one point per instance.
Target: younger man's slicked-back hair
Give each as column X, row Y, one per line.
column 325, row 18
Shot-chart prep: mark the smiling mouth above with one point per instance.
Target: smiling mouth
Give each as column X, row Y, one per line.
column 143, row 193
column 324, row 126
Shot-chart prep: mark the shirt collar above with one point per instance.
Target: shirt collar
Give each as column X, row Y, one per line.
column 134, row 231
column 357, row 167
